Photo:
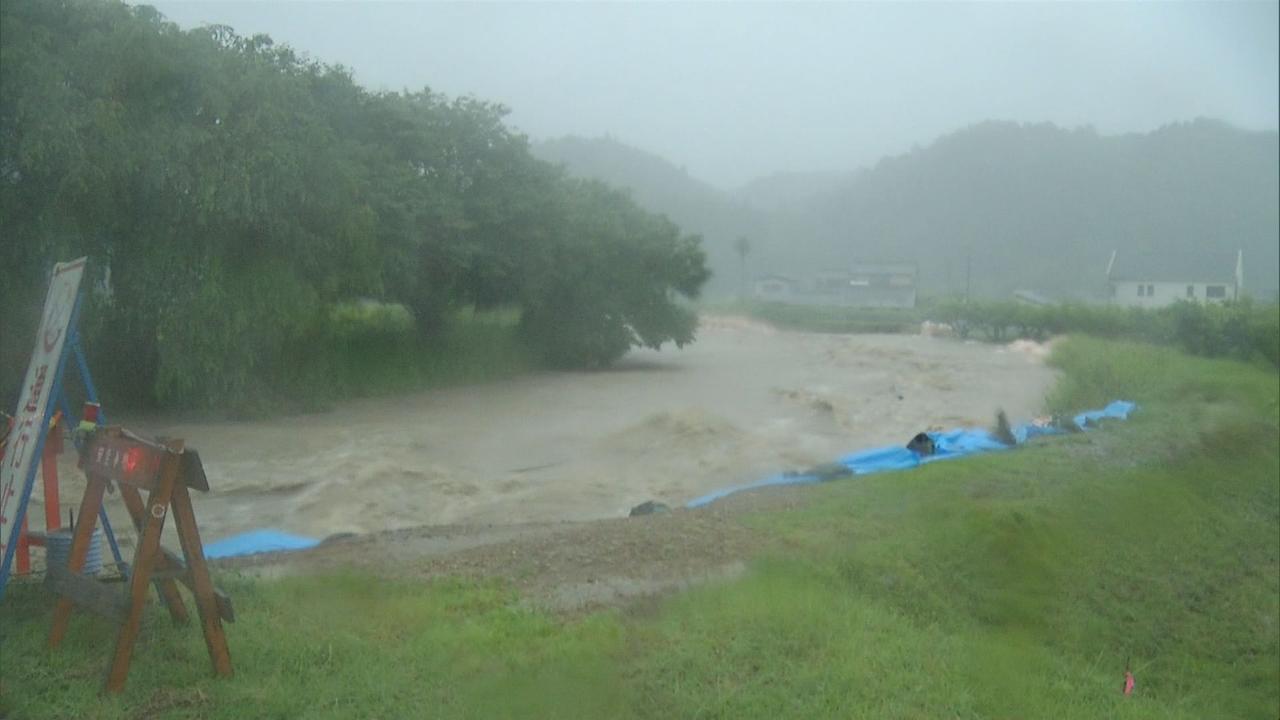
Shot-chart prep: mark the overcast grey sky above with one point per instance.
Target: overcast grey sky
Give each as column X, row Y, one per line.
column 735, row 91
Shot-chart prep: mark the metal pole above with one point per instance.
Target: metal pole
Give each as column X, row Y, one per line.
column 92, row 394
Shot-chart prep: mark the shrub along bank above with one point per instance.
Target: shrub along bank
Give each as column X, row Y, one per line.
column 1242, row 330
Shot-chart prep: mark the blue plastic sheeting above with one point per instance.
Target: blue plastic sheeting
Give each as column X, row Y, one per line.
column 947, row 446
column 1118, row 410
column 258, row 541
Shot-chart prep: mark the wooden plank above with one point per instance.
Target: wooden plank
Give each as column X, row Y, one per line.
column 165, row 587
column 157, row 508
column 179, row 568
column 193, row 471
column 125, row 458
column 89, row 506
column 23, row 552
column 184, row 519
column 87, row 593
column 164, row 571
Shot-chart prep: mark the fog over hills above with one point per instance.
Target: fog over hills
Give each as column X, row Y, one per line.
column 659, row 185
column 1038, row 207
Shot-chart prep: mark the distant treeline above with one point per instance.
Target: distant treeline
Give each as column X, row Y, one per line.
column 230, row 193
column 1242, row 330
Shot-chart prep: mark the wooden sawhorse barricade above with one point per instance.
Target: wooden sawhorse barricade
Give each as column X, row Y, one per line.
column 166, row 472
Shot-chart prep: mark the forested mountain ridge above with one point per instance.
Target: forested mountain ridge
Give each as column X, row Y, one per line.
column 1024, row 206
column 1039, row 207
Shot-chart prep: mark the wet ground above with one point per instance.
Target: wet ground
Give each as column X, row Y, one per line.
column 743, row 402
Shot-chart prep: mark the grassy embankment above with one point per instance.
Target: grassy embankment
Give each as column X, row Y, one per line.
column 1011, row 585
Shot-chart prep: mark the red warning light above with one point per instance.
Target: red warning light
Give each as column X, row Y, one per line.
column 123, row 458
column 132, row 458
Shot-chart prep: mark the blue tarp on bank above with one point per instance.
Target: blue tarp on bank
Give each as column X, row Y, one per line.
column 947, row 445
column 258, row 541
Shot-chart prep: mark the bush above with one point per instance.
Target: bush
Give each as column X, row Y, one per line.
column 367, row 321
column 1241, row 330
column 618, row 277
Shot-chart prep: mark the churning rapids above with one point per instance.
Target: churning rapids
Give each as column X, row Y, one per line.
column 743, row 402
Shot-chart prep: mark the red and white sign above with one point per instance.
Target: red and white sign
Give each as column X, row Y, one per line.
column 32, row 416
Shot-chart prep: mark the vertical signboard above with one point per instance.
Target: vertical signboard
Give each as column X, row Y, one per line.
column 35, row 405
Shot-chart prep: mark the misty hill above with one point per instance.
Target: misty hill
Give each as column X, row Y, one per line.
column 1040, row 207
column 1026, row 206
column 788, row 191
column 651, row 179
column 661, row 186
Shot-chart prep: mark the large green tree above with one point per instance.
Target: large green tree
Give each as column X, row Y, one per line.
column 614, row 280
column 228, row 191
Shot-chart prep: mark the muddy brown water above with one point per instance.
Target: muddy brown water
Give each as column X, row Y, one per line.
column 743, row 402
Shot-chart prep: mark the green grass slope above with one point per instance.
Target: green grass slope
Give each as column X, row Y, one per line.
column 1020, row 584
column 1016, row 585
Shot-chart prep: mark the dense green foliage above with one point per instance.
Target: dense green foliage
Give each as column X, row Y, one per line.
column 1023, row 206
column 1018, row 584
column 369, row 351
column 608, row 287
column 231, row 193
column 1241, row 330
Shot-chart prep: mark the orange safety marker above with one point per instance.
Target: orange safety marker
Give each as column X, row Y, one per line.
column 52, row 511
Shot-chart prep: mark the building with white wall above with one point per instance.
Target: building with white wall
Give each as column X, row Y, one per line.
column 1158, row 281
column 880, row 285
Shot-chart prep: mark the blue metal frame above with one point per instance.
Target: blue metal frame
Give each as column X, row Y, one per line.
column 91, row 393
column 57, row 390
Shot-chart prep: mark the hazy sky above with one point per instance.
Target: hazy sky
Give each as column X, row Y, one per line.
column 734, row 91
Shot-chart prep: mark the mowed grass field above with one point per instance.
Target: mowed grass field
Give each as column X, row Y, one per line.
column 1016, row 585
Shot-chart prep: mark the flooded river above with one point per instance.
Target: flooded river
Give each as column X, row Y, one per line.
column 741, row 403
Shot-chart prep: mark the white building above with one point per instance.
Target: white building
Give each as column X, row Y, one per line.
column 863, row 285
column 1153, row 282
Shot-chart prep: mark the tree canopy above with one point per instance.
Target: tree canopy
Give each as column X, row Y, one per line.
column 229, row 190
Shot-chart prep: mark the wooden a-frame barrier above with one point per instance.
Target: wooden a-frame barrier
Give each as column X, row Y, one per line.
column 167, row 473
